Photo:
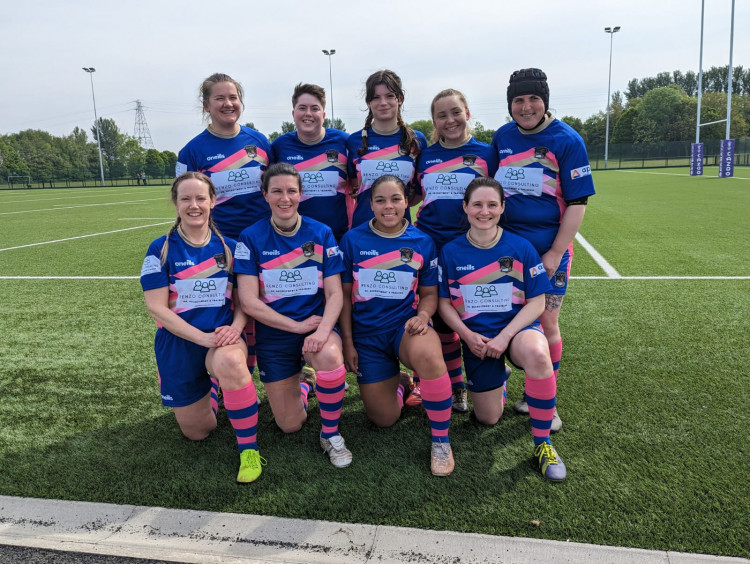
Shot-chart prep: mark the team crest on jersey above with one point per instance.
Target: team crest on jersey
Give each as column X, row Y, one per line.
column 540, row 152
column 506, row 264
column 308, row 249
column 469, row 159
column 559, row 279
column 406, row 254
column 221, row 260
column 251, row 150
column 332, row 155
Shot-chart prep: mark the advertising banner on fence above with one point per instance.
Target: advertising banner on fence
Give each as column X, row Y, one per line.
column 696, row 159
column 726, row 158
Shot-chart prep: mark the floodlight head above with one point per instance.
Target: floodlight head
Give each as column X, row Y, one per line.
column 325, row 52
column 617, row 28
column 333, row 51
column 89, row 69
column 612, row 30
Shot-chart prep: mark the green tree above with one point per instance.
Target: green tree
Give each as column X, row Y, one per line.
column 337, row 123
column 42, row 153
column 624, row 129
column 133, row 155
column 482, row 134
column 250, row 124
column 154, row 164
column 664, row 115
column 10, row 162
column 594, row 129
column 170, row 161
column 573, row 122
column 423, row 125
column 110, row 142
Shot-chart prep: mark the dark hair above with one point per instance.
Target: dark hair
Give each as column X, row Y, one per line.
column 211, row 225
column 311, row 89
column 408, row 144
column 214, row 79
column 280, row 169
column 480, row 182
column 387, row 178
column 435, row 136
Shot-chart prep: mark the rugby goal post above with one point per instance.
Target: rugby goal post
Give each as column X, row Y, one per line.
column 23, row 181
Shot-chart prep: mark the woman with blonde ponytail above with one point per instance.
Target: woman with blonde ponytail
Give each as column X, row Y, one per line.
column 189, row 288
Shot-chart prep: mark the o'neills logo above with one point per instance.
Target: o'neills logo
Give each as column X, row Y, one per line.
column 215, row 157
column 272, row 253
column 467, row 267
column 372, row 253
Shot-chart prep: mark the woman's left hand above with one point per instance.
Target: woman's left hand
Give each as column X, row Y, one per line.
column 226, row 335
column 416, row 326
column 314, row 342
column 496, row 346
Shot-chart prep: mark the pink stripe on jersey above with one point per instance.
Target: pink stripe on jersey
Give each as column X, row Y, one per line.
column 386, row 153
column 197, row 271
column 289, row 259
column 227, row 163
column 458, row 162
column 304, row 165
column 393, row 256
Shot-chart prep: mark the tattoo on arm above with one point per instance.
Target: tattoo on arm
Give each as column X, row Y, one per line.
column 552, row 302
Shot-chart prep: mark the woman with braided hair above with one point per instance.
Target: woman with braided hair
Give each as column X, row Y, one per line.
column 189, row 288
column 385, row 145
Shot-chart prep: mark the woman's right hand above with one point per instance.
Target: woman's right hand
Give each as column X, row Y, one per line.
column 477, row 343
column 351, row 358
column 308, row 325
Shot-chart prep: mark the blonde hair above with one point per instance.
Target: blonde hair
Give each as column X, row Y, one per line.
column 435, row 136
column 208, row 84
column 211, row 225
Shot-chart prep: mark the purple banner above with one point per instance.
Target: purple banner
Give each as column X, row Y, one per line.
column 696, row 159
column 726, row 158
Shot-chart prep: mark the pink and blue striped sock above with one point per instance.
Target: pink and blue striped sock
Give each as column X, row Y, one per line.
column 555, row 354
column 540, row 397
column 214, row 394
column 437, row 401
column 451, row 347
column 242, row 410
column 304, row 391
column 400, row 395
column 329, row 389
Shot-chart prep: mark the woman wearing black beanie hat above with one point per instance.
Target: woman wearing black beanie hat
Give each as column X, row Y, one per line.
column 546, row 177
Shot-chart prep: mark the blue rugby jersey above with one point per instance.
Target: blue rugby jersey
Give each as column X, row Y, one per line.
column 235, row 166
column 539, row 172
column 385, row 273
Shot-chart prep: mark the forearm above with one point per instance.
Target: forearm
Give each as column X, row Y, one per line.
column 156, row 303
column 569, row 225
column 452, row 319
column 345, row 318
column 529, row 313
column 428, row 302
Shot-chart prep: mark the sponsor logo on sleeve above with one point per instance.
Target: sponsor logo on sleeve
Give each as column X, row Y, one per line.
column 580, row 172
column 536, row 270
column 332, row 252
column 241, row 252
column 434, row 263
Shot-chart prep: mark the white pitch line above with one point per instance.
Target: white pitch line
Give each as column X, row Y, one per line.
column 599, row 259
column 572, row 278
column 69, row 277
column 660, row 278
column 675, row 174
column 58, row 208
column 84, row 236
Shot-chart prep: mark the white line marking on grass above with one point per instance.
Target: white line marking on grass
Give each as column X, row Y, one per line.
column 675, row 174
column 72, row 197
column 660, row 278
column 70, row 277
column 599, row 259
column 572, row 278
column 84, row 236
column 58, row 208
column 142, row 218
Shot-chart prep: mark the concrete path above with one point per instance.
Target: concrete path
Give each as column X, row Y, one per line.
column 130, row 531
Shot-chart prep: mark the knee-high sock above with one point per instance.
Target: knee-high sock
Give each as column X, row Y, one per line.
column 242, row 410
column 540, row 396
column 214, row 394
column 555, row 353
column 249, row 331
column 400, row 395
column 451, row 346
column 437, row 401
column 330, row 391
column 304, row 391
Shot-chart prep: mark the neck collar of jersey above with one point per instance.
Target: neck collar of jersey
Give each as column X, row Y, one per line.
column 404, row 225
column 541, row 126
column 287, row 232
column 185, row 238
column 488, row 245
column 212, row 131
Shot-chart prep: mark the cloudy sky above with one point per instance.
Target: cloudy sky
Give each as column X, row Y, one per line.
column 159, row 52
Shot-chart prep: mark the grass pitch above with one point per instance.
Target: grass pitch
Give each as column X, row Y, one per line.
column 653, row 388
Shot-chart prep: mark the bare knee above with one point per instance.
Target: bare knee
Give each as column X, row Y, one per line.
column 383, row 420
column 196, row 432
column 488, row 417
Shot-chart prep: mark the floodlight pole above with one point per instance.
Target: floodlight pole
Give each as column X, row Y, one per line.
column 91, row 71
column 611, row 31
column 330, row 53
